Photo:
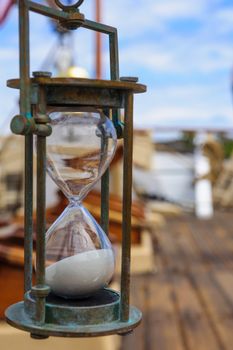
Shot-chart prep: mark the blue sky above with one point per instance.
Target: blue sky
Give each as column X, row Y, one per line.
column 183, row 51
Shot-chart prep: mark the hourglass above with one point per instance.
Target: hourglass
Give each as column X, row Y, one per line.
column 75, row 123
column 79, row 257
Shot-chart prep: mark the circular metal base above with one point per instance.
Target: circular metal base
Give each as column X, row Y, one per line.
column 101, row 307
column 68, row 319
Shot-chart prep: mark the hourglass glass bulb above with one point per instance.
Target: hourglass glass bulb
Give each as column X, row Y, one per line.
column 79, row 150
column 79, row 256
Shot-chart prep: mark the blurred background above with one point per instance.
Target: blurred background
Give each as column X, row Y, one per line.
column 182, row 236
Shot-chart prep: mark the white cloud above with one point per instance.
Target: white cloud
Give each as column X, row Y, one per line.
column 133, row 18
column 176, row 54
column 170, row 9
column 221, row 21
column 185, row 105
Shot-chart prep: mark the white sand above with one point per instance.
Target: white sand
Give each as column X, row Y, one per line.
column 81, row 274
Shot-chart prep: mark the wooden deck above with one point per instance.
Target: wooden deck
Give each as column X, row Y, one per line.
column 187, row 302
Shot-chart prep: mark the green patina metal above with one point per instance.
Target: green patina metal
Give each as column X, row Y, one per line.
column 107, row 312
column 17, row 318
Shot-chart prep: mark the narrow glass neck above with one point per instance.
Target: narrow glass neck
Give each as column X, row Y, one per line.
column 74, row 202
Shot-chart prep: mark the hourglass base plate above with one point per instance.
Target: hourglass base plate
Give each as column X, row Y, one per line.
column 90, row 321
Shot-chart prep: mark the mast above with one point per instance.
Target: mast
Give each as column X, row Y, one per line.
column 98, row 43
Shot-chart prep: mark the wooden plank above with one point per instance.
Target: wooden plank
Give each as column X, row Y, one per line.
column 159, row 329
column 190, row 253
column 199, row 233
column 163, row 323
column 167, row 250
column 219, row 310
column 213, row 302
column 197, row 330
column 214, row 251
column 223, row 235
column 225, row 281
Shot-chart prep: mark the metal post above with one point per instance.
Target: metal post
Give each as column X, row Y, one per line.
column 25, row 110
column 40, row 229
column 40, row 290
column 104, row 220
column 40, row 216
column 127, row 201
column 114, row 73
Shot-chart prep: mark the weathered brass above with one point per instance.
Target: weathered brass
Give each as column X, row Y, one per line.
column 42, row 314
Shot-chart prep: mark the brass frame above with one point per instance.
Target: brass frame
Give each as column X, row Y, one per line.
column 37, row 94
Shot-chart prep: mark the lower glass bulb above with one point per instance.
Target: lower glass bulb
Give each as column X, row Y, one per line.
column 79, row 256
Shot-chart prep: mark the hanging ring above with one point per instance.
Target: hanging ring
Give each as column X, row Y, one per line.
column 69, row 7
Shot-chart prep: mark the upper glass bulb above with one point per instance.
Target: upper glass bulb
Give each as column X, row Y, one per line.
column 79, row 150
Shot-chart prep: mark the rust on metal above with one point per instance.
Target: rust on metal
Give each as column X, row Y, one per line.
column 40, row 289
column 82, row 82
column 126, row 211
column 25, row 111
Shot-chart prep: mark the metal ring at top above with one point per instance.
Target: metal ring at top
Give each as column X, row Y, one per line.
column 69, row 7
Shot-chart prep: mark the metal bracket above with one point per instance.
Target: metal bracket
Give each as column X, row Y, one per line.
column 21, row 125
